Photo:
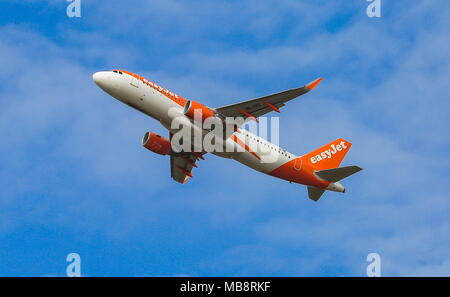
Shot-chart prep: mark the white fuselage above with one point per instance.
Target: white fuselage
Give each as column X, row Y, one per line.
column 163, row 105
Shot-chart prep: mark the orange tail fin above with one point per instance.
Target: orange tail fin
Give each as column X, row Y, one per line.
column 329, row 155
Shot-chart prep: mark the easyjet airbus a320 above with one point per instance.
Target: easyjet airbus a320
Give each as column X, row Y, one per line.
column 318, row 170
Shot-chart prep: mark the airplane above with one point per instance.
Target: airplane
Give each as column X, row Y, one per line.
column 319, row 170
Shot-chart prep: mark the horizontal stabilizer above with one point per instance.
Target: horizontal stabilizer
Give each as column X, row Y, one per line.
column 336, row 174
column 314, row 193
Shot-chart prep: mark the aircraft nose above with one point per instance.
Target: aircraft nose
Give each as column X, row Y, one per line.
column 99, row 78
column 105, row 80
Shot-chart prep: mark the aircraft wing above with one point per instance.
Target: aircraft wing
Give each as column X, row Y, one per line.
column 252, row 109
column 181, row 165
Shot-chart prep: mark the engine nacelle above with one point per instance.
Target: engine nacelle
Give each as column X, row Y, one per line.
column 192, row 106
column 156, row 143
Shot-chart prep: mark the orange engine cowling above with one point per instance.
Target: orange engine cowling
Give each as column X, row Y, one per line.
column 192, row 106
column 156, row 143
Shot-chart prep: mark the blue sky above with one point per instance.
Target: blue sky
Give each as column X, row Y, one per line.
column 74, row 177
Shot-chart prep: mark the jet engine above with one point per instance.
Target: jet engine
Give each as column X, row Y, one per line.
column 192, row 106
column 156, row 143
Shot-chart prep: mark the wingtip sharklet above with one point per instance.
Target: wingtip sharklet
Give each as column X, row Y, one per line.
column 314, row 84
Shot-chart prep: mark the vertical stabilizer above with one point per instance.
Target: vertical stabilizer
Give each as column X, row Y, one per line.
column 329, row 155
